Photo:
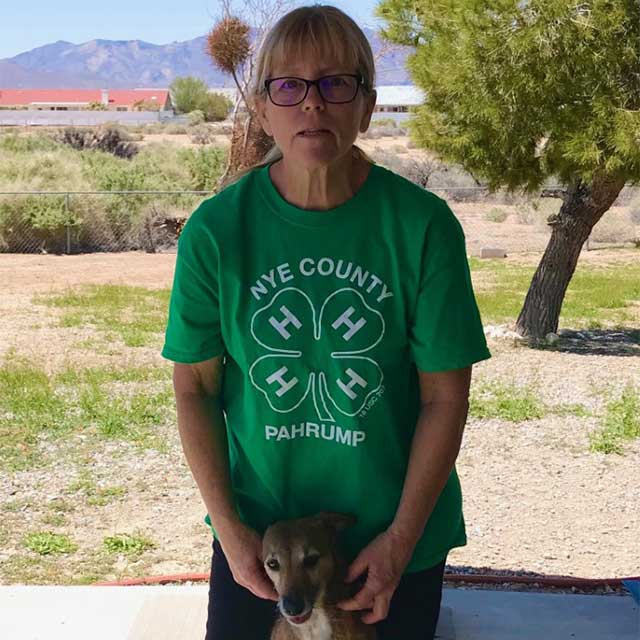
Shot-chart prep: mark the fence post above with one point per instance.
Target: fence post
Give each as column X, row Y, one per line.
column 66, row 207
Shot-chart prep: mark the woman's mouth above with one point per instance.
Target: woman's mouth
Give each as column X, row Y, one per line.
column 314, row 132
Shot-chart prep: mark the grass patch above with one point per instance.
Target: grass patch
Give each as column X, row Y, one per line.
column 128, row 544
column 135, row 314
column 95, row 496
column 47, row 543
column 571, row 409
column 506, row 402
column 621, row 422
column 100, row 402
column 516, row 403
column 595, row 297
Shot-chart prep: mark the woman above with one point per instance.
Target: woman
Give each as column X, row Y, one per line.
column 338, row 296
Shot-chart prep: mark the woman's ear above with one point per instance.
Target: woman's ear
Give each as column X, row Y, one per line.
column 260, row 109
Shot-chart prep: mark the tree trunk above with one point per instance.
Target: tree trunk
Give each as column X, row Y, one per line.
column 582, row 207
column 249, row 142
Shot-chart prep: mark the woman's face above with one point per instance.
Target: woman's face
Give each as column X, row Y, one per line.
column 343, row 120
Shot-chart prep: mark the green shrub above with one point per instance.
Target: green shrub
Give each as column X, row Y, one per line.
column 205, row 166
column 195, row 117
column 35, row 222
column 15, row 143
column 621, row 422
column 216, row 106
column 496, row 215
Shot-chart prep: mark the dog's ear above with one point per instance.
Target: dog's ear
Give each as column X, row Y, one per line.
column 335, row 520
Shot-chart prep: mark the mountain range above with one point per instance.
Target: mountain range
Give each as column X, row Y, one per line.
column 122, row 64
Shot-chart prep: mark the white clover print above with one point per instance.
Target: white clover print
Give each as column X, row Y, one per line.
column 316, row 352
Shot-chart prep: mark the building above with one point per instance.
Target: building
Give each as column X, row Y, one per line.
column 397, row 98
column 86, row 99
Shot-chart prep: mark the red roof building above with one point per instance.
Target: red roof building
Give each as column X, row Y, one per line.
column 86, row 99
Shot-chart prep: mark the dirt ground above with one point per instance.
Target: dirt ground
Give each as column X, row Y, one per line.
column 535, row 498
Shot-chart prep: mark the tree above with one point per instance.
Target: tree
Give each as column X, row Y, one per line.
column 230, row 48
column 216, row 106
column 519, row 91
column 188, row 94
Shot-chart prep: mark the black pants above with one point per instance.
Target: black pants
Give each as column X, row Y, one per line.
column 235, row 613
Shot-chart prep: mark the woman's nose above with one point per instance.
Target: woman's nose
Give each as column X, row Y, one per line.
column 314, row 98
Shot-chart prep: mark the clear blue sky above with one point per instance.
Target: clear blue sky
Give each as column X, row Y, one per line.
column 25, row 25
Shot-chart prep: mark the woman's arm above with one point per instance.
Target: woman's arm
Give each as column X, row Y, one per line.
column 204, row 440
column 203, row 434
column 435, row 447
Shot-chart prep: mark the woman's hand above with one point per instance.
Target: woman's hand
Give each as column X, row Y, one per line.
column 242, row 546
column 386, row 557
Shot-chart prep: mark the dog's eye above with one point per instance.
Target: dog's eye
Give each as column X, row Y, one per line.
column 311, row 561
column 273, row 564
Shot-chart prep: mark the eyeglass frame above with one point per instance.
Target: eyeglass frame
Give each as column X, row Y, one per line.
column 358, row 77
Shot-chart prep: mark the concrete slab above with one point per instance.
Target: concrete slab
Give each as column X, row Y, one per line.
column 493, row 615
column 179, row 613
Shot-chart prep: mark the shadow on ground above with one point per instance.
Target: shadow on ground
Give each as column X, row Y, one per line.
column 602, row 342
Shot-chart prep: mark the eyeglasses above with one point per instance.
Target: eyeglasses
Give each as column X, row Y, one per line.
column 288, row 91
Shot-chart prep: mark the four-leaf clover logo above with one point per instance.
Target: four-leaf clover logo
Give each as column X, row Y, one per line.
column 317, row 351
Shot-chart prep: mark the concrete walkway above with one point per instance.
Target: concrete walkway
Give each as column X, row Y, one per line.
column 179, row 613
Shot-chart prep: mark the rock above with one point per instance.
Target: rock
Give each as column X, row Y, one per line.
column 489, row 252
column 501, row 331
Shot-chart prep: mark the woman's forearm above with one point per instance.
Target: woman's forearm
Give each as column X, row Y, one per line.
column 203, row 434
column 434, row 449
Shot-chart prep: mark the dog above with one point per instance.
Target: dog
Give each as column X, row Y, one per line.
column 303, row 560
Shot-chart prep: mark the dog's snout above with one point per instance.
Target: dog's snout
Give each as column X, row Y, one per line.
column 293, row 605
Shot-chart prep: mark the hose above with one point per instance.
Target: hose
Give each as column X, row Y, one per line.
column 479, row 578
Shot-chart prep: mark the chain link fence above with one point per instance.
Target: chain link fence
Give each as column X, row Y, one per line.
column 89, row 221
column 75, row 222
column 72, row 222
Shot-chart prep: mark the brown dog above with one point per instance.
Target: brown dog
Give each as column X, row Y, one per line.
column 303, row 560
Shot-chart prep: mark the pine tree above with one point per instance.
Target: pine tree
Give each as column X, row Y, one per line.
column 520, row 91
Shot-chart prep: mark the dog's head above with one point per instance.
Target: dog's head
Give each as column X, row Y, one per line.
column 300, row 558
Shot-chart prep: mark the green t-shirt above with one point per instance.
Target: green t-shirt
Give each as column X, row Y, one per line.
column 323, row 317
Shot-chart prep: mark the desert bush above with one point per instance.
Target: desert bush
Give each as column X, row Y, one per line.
column 107, row 222
column 216, row 107
column 41, row 171
column 205, row 166
column 200, row 134
column 419, row 171
column 175, row 129
column 496, row 215
column 195, row 117
column 536, row 211
column 16, row 143
column 380, row 131
column 383, row 122
column 109, row 138
column 34, row 221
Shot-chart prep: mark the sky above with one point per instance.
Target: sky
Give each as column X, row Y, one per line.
column 26, row 25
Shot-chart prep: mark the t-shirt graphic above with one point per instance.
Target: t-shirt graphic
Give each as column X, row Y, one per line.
column 317, row 351
column 323, row 319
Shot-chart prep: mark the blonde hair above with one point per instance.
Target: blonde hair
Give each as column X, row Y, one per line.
column 323, row 30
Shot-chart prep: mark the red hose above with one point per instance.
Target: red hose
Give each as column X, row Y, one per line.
column 551, row 581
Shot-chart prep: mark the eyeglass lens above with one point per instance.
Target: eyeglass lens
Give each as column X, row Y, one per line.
column 337, row 88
